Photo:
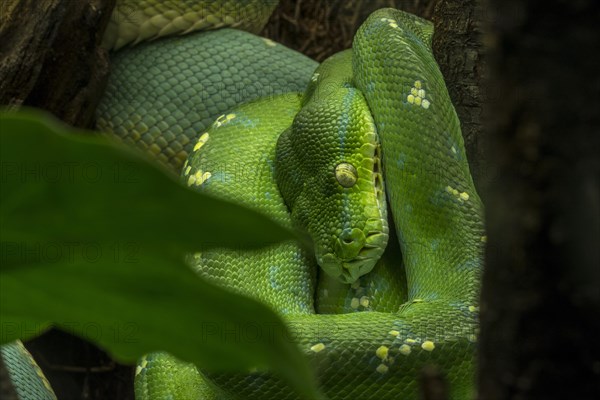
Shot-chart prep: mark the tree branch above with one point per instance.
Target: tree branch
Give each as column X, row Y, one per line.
column 50, row 56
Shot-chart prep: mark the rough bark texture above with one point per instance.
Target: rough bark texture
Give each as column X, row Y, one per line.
column 79, row 370
column 50, row 56
column 320, row 28
column 540, row 300
column 458, row 49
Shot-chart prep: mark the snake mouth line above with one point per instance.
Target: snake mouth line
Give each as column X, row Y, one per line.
column 376, row 238
column 373, row 247
column 348, row 271
column 352, row 270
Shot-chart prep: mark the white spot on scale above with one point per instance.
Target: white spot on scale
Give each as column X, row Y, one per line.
column 141, row 365
column 269, row 42
column 382, row 352
column 451, row 190
column 417, row 96
column 382, row 369
column 223, row 119
column 404, row 349
column 203, row 139
column 218, row 122
column 364, row 301
column 318, row 347
column 428, row 345
column 191, row 180
column 198, row 178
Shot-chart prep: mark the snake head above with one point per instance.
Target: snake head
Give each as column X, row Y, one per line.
column 351, row 246
column 328, row 170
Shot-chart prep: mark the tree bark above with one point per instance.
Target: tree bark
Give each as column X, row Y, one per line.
column 458, row 50
column 540, row 300
column 50, row 56
column 321, row 28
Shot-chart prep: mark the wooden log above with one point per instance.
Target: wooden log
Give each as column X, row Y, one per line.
column 50, row 56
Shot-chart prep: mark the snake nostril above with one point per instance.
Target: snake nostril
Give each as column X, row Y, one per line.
column 349, row 236
column 349, row 243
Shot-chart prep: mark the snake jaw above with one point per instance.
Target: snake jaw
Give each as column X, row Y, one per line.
column 349, row 269
column 353, row 270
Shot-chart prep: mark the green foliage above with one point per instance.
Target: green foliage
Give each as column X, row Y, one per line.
column 94, row 238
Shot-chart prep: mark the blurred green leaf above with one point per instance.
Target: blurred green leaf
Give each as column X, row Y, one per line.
column 93, row 239
column 84, row 187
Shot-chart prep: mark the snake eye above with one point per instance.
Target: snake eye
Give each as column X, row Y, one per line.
column 346, row 174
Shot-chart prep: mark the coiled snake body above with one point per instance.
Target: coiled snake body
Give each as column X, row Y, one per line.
column 370, row 161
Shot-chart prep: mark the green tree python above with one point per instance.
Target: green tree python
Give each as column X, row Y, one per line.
column 364, row 153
